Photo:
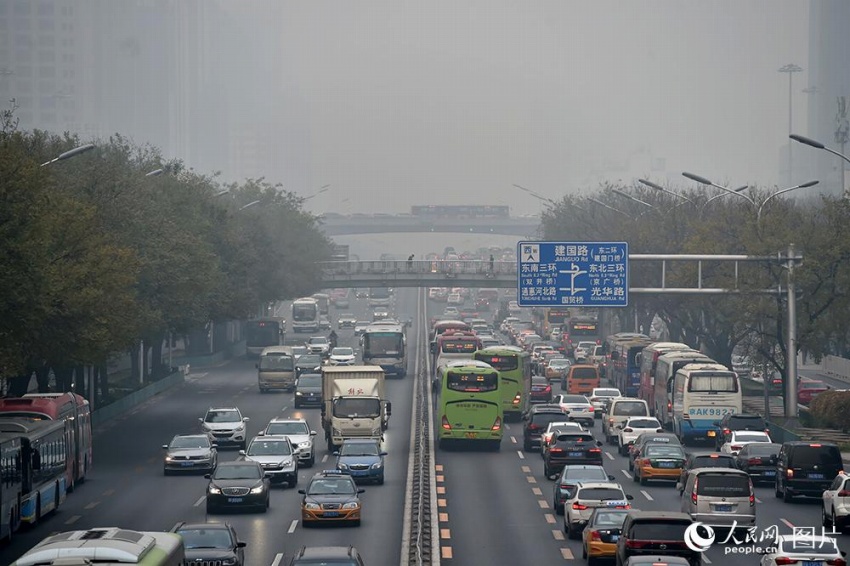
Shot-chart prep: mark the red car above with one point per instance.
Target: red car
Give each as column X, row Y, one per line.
column 807, row 389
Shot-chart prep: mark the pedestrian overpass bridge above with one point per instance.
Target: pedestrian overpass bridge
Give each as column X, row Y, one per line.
column 420, row 273
column 341, row 225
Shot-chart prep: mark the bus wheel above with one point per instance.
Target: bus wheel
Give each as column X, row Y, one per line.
column 496, row 446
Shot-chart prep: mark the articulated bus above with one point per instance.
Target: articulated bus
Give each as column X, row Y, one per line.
column 385, row 345
column 702, row 394
column 624, row 369
column 43, row 465
column 305, row 315
column 514, row 367
column 73, row 411
column 260, row 334
column 470, row 405
column 648, row 360
column 662, row 379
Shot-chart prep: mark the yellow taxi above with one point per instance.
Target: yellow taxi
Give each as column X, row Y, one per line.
column 556, row 368
column 599, row 538
column 331, row 497
column 658, row 462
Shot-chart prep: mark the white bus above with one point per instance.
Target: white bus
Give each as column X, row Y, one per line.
column 305, row 315
column 702, row 394
column 385, row 345
column 662, row 379
column 107, row 547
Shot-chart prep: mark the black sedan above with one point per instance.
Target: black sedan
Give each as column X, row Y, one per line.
column 238, row 485
column 308, row 390
column 759, row 461
column 211, row 543
column 571, row 448
column 308, row 363
column 541, row 390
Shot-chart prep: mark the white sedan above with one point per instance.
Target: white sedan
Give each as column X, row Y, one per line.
column 799, row 549
column 737, row 439
column 578, row 407
column 342, row 357
column 628, row 432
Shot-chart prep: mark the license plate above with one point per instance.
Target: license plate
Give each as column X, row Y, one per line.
column 186, row 463
column 615, row 538
column 770, row 473
column 472, row 435
column 812, row 563
column 815, row 477
column 576, row 454
column 723, row 508
column 666, row 464
column 331, row 513
column 234, row 500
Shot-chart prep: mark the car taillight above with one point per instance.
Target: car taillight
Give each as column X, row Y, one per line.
column 752, row 500
column 636, row 543
column 754, row 461
column 579, row 507
column 591, row 409
column 694, row 493
column 497, row 424
column 837, row 562
column 781, row 561
column 446, row 424
column 556, row 450
column 843, row 493
column 726, row 431
column 610, row 421
column 517, row 399
column 789, row 473
column 669, row 406
column 594, row 535
column 734, row 447
column 548, row 389
column 534, row 427
column 595, row 450
column 628, row 430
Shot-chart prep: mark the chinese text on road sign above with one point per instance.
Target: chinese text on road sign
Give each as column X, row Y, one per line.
column 593, row 274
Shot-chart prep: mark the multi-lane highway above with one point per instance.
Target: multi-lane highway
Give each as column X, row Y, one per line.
column 494, row 508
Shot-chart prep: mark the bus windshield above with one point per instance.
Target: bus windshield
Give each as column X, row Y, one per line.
column 262, row 333
column 379, row 293
column 390, row 343
column 712, row 384
column 472, row 382
column 304, row 312
column 277, row 362
column 459, row 346
column 500, row 363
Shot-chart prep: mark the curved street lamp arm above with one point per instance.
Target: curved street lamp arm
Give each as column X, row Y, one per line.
column 735, row 192
column 628, row 196
column 783, row 191
column 657, row 187
column 617, row 210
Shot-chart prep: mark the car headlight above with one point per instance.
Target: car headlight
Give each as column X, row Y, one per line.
column 377, row 432
column 213, row 489
column 258, row 489
column 229, row 561
column 169, row 459
column 240, row 427
column 286, row 463
column 305, row 444
column 341, row 466
column 298, row 394
column 351, row 505
column 311, row 506
column 377, row 465
column 336, row 432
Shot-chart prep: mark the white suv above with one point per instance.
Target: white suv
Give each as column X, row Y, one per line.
column 628, row 432
column 836, row 503
column 588, row 496
column 299, row 433
column 226, row 425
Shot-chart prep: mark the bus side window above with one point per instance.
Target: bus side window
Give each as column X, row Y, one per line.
column 36, row 460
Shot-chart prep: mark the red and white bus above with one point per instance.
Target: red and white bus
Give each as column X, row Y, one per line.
column 71, row 408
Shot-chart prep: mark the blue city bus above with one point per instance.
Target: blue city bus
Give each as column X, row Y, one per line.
column 43, row 465
column 10, row 484
column 624, row 371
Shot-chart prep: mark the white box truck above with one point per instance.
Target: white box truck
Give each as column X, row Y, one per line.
column 354, row 403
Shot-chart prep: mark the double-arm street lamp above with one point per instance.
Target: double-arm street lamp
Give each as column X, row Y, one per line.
column 609, row 207
column 630, row 197
column 657, row 187
column 70, row 153
column 818, row 145
column 321, row 190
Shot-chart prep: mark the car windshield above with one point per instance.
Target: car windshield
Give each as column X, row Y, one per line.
column 311, row 380
column 644, row 423
column 606, row 392
column 577, row 438
column 805, row 545
column 664, row 451
column 816, row 455
column 269, row 448
column 746, row 422
column 359, row 449
column 559, row 363
column 609, row 519
column 601, row 494
column 584, row 373
column 309, row 360
column 564, row 426
column 228, row 416
column 206, row 538
column 332, row 487
column 276, row 361
column 750, row 437
column 629, row 408
column 287, row 429
column 716, row 461
column 342, row 352
column 812, row 385
column 723, row 485
column 190, row 442
column 239, row 472
column 761, row 449
column 659, row 530
column 318, row 341
column 595, row 473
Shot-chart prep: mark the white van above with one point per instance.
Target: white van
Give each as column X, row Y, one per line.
column 620, row 410
column 720, row 497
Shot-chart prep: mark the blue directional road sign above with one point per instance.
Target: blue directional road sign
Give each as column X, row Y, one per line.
column 589, row 274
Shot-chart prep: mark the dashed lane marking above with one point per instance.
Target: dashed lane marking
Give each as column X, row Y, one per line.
column 530, row 479
column 520, row 454
column 536, row 491
column 513, row 440
column 507, row 427
column 441, row 490
column 787, row 523
column 557, row 534
column 626, row 473
column 441, row 502
column 543, row 504
column 438, row 467
column 526, row 469
column 74, row 519
column 705, row 559
column 324, row 458
column 292, row 526
column 199, row 501
column 550, row 518
column 446, row 552
column 92, row 505
column 278, row 558
column 610, row 457
column 567, row 554
column 758, row 500
column 445, row 533
column 645, row 494
column 440, row 478
column 108, row 492
column 444, row 517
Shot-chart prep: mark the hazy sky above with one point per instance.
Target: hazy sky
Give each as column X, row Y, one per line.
column 453, row 102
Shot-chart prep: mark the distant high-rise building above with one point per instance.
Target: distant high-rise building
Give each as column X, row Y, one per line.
column 829, row 79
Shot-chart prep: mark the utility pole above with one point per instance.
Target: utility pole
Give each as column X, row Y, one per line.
column 790, row 69
column 842, row 132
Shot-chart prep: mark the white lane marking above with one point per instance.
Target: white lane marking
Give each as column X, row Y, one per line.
column 507, row 426
column 759, row 500
column 513, row 439
column 292, row 526
column 199, row 501
column 278, row 558
column 324, row 458
column 74, row 519
column 705, row 559
column 174, row 528
column 520, row 454
column 610, row 457
column 645, row 494
column 283, row 409
column 626, row 473
column 787, row 523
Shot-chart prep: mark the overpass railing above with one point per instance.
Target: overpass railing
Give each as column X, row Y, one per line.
column 419, row 267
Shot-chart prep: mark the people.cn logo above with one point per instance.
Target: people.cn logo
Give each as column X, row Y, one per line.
column 699, row 537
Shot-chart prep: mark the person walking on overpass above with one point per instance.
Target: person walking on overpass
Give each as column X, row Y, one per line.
column 410, row 262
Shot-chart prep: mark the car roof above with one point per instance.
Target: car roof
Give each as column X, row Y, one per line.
column 213, row 525
column 655, row 515
column 591, row 484
column 361, row 441
column 233, row 463
column 546, row 408
column 289, row 419
column 727, row 471
column 199, row 435
column 223, row 409
column 744, row 416
column 657, row 559
column 325, row 552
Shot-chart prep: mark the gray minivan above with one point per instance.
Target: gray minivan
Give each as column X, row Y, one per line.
column 720, row 497
column 276, row 369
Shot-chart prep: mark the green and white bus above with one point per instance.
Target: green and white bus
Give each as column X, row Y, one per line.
column 470, row 404
column 514, row 367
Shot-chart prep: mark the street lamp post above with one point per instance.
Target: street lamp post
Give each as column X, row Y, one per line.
column 657, row 187
column 630, row 197
column 818, row 145
column 790, row 69
column 727, row 190
column 321, row 190
column 609, row 207
column 252, row 203
column 70, row 153
column 779, row 192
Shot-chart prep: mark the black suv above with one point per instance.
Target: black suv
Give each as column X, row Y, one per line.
column 536, row 420
column 737, row 421
column 806, row 468
column 211, row 543
column 571, row 448
column 653, row 533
